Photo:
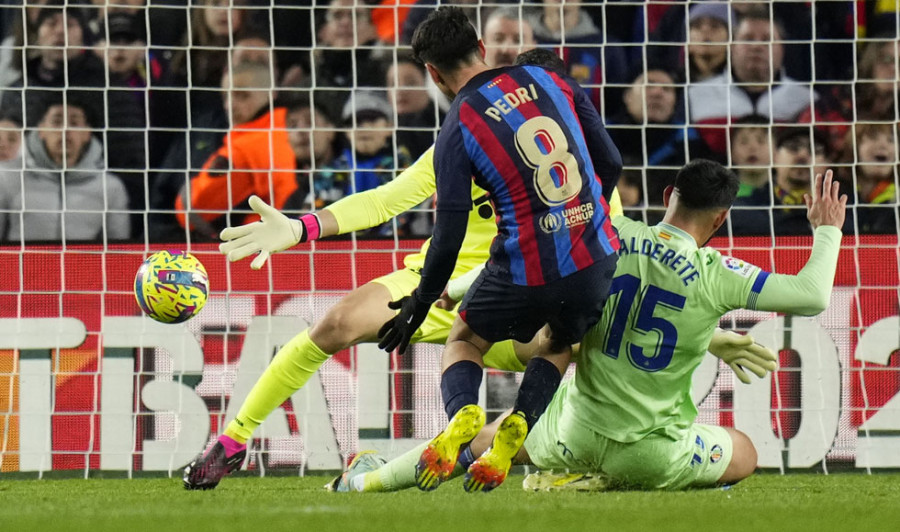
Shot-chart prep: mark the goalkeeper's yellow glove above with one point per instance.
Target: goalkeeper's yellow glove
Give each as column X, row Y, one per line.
column 273, row 233
column 740, row 352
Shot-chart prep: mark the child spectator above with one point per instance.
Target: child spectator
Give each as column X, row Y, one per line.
column 778, row 207
column 872, row 151
column 371, row 157
column 751, row 153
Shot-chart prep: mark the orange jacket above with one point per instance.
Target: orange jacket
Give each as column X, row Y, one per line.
column 255, row 158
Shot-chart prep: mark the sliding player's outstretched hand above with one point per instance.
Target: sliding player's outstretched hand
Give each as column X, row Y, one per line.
column 740, row 352
column 397, row 331
column 273, row 233
column 825, row 205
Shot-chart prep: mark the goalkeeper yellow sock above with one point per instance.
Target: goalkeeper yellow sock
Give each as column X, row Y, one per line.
column 292, row 366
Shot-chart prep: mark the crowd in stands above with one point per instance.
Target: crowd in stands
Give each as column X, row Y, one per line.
column 129, row 119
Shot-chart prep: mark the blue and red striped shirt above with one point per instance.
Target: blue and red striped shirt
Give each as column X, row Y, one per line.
column 533, row 140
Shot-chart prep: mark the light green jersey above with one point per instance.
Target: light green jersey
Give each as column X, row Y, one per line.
column 634, row 369
column 633, row 375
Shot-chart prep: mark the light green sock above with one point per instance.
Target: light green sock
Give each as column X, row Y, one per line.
column 399, row 473
column 292, row 366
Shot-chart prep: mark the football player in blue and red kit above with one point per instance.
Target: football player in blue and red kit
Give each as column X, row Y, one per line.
column 532, row 139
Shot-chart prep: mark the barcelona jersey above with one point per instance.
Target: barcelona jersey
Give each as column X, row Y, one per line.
column 533, row 140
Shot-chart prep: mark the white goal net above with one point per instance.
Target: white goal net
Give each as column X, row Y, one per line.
column 131, row 126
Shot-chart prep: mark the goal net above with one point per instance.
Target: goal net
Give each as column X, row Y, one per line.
column 127, row 127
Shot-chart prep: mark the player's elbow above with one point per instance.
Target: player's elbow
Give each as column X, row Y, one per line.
column 815, row 304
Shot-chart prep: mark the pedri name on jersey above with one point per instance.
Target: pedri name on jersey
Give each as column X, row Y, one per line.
column 510, row 101
column 676, row 262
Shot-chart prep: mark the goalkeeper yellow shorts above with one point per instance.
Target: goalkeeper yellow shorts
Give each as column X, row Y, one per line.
column 436, row 327
column 698, row 459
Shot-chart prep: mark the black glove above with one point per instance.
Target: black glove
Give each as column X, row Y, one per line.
column 397, row 331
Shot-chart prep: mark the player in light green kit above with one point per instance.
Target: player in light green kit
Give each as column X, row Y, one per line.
column 628, row 414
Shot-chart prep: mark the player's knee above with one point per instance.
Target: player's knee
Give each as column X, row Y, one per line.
column 338, row 329
column 744, row 458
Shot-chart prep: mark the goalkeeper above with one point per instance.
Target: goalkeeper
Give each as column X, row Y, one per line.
column 628, row 414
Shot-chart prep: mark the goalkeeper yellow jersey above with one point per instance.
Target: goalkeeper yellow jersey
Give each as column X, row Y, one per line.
column 413, row 186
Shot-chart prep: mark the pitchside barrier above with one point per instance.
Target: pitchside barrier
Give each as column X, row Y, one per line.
column 88, row 384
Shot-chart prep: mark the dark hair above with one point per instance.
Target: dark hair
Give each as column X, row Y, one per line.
column 87, row 101
column 13, row 114
column 446, row 39
column 307, row 99
column 753, row 121
column 54, row 7
column 405, row 55
column 783, row 134
column 761, row 13
column 541, row 57
column 703, row 184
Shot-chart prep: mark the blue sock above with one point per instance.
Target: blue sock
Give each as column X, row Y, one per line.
column 459, row 386
column 538, row 386
column 466, row 457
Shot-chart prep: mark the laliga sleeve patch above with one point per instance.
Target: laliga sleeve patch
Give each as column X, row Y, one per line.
column 744, row 269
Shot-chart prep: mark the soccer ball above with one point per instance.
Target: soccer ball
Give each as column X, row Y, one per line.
column 171, row 286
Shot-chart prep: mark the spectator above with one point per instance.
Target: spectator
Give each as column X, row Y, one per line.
column 61, row 191
column 708, row 27
column 123, row 49
column 58, row 58
column 187, row 78
column 203, row 56
column 417, row 115
column 22, row 31
column 255, row 156
column 188, row 154
column 590, row 58
column 751, row 153
column 316, row 144
column 10, row 137
column 371, row 157
column 875, row 161
column 631, row 188
column 650, row 130
column 506, row 34
column 755, row 85
column 778, row 207
column 708, row 40
column 877, row 88
column 255, row 48
column 105, row 7
column 346, row 56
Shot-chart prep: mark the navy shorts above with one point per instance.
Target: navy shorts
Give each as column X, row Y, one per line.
column 496, row 309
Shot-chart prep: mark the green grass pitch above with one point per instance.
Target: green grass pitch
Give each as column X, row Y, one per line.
column 763, row 503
